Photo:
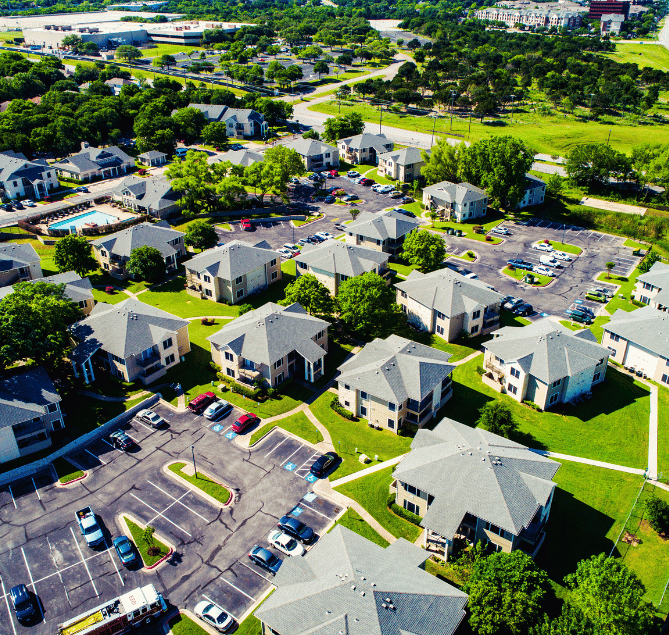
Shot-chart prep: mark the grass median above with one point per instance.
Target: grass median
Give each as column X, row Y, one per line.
column 298, row 424
column 567, row 248
column 203, row 483
column 519, row 274
column 137, row 535
column 66, row 471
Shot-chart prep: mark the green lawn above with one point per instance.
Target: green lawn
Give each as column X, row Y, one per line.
column 353, row 521
column 101, row 295
column 208, row 486
column 519, row 274
column 66, row 471
column 184, row 625
column 469, row 256
column 372, row 492
column 626, row 288
column 467, row 228
column 635, row 244
column 651, row 55
column 598, row 326
column 293, row 397
column 663, row 432
column 573, row 326
column 137, row 536
column 457, row 350
column 612, row 426
column 298, row 424
column 348, row 435
column 566, row 247
column 401, row 268
column 335, row 357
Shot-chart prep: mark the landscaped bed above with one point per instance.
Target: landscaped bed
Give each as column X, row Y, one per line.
column 65, row 471
column 298, row 424
column 519, row 274
column 202, row 482
column 137, row 536
column 566, row 247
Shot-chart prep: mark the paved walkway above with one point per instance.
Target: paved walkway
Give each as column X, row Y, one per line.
column 367, row 471
column 94, row 395
column 578, row 459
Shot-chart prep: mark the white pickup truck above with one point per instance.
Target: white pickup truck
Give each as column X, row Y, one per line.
column 90, row 529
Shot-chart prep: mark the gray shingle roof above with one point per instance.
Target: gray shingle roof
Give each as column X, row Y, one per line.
column 231, row 260
column 367, row 140
column 396, row 369
column 546, row 350
column 382, row 226
column 403, row 156
column 223, row 113
column 658, row 276
column 240, row 157
column 91, row 158
column 77, row 288
column 533, row 182
column 455, row 193
column 122, row 243
column 343, row 584
column 26, row 396
column 125, row 329
column 448, row 292
column 335, row 256
column 15, row 166
column 15, row 255
column 271, row 332
column 646, row 327
column 471, row 470
column 309, row 147
column 151, row 193
column 152, row 154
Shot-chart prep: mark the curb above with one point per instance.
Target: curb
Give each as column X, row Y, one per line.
column 196, row 490
column 287, row 433
column 124, row 527
column 57, row 482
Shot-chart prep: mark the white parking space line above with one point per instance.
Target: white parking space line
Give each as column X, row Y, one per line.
column 94, row 456
column 111, row 557
column 296, row 451
column 276, row 446
column 12, row 493
column 11, row 618
column 307, row 461
column 303, row 504
column 84, row 561
column 226, row 610
column 238, row 589
column 142, row 424
column 32, row 582
column 36, row 490
column 132, row 439
column 178, row 500
column 67, row 595
column 254, row 571
column 160, row 514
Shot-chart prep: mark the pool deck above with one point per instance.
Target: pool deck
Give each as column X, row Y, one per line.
column 104, row 208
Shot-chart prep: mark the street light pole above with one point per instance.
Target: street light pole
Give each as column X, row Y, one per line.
column 609, row 137
column 380, row 116
column 434, row 123
column 513, row 103
column 452, row 100
column 192, row 449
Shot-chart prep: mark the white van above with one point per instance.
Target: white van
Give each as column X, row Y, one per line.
column 471, row 276
column 549, row 261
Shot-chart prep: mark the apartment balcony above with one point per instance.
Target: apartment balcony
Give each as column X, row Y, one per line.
column 249, row 374
column 147, row 361
column 493, row 368
column 490, row 319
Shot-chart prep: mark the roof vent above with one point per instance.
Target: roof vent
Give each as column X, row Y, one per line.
column 384, row 605
column 328, row 612
column 469, row 453
column 362, row 593
column 353, row 587
column 388, row 600
column 373, row 583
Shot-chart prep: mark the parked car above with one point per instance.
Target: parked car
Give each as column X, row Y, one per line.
column 385, row 189
column 367, row 182
column 582, row 311
column 294, row 180
column 406, row 199
column 323, row 464
column 330, row 199
column 395, row 194
column 22, row 602
column 500, row 230
column 217, row 410
column 602, row 290
column 561, row 255
column 316, row 239
column 29, row 202
column 125, row 550
column 121, row 441
column 596, row 297
column 245, row 224
column 303, row 241
column 200, row 402
column 523, row 309
column 285, row 544
column 150, row 417
column 350, row 197
column 519, row 263
column 542, row 247
column 265, row 559
column 324, row 235
column 244, row 422
column 82, row 188
column 543, row 271
column 352, row 174
column 580, row 318
column 237, row 146
column 296, row 529
column 333, row 173
column 549, row 261
column 511, row 304
column 285, row 253
column 18, row 205
column 7, row 207
column 340, row 227
column 214, row 616
column 291, row 247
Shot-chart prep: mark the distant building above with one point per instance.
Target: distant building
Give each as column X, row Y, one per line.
column 364, row 148
column 535, row 191
column 456, row 202
column 19, row 262
column 533, row 18
column 240, row 157
column 21, row 178
column 91, row 162
column 611, row 23
column 241, row 123
column 599, row 8
column 403, row 165
column 315, row 154
column 153, row 196
column 152, row 158
column 385, row 231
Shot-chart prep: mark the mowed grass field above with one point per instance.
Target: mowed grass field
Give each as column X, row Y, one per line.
column 652, row 55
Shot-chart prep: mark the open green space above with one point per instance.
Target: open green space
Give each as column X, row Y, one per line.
column 371, row 492
column 651, row 55
column 184, row 625
column 458, row 350
column 297, row 423
column 597, row 326
column 611, row 426
column 566, row 247
column 634, row 244
column 663, row 432
column 519, row 274
column 401, row 268
column 347, row 436
column 65, row 471
column 137, row 536
column 353, row 521
column 626, row 288
column 208, row 486
column 468, row 231
column 100, row 295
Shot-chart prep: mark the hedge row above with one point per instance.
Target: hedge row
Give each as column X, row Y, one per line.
column 401, row 512
column 240, row 389
column 341, row 411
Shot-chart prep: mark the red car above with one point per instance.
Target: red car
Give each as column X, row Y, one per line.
column 244, row 422
column 246, row 224
column 367, row 182
column 334, row 173
column 201, row 402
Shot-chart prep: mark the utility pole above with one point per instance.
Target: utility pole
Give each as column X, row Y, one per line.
column 609, row 137
column 513, row 103
column 470, row 122
column 192, row 449
column 452, row 100
column 380, row 116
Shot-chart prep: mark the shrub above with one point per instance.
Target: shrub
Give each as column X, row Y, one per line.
column 657, row 513
column 215, row 367
column 470, row 254
column 488, row 239
column 480, row 371
column 245, row 308
column 401, row 512
column 341, row 411
column 240, row 389
column 532, row 405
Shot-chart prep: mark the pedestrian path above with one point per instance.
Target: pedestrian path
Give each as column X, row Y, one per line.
column 367, row 471
column 94, row 395
column 578, row 459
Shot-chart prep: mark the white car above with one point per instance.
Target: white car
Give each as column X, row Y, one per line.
column 324, row 235
column 543, row 247
column 543, row 271
column 561, row 255
column 500, row 230
column 285, row 253
column 352, row 174
column 285, row 544
column 290, row 247
column 549, row 261
column 29, row 203
column 150, row 417
column 214, row 615
column 384, row 189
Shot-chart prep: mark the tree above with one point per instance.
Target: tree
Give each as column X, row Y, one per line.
column 424, row 250
column 343, row 126
column 215, row 134
column 433, row 215
column 597, row 163
column 190, row 123
column 609, row 267
column 367, row 305
column 312, row 294
column 147, row 263
column 128, row 53
column 571, row 621
column 195, row 179
column 442, row 163
column 498, row 165
column 72, row 41
column 312, row 133
column 34, row 322
column 657, row 514
column 505, row 594
column 321, row 68
column 164, row 61
column 73, row 253
column 610, row 596
column 651, row 258
column 200, row 234
column 554, row 185
column 496, row 417
column 354, row 213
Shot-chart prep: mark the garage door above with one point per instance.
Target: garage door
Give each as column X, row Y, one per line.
column 256, row 279
column 640, row 358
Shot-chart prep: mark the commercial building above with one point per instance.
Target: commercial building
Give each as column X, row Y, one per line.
column 534, row 17
column 598, row 8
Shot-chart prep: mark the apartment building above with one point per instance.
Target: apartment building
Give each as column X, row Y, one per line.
column 456, row 201
column 402, row 165
column 315, row 155
column 652, row 287
column 364, row 148
column 385, row 231
column 19, row 262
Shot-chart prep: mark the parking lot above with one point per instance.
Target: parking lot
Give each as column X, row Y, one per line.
column 43, row 548
column 571, row 283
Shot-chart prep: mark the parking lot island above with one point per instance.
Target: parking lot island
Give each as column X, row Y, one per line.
column 201, row 484
column 132, row 527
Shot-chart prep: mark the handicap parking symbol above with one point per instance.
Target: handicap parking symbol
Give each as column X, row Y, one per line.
column 544, row 315
column 230, row 435
column 310, row 478
column 217, row 428
column 310, row 497
column 297, row 511
column 290, row 466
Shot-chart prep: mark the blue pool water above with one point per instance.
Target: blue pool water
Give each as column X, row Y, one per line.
column 99, row 218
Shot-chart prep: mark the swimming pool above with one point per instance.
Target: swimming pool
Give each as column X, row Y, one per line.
column 94, row 218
